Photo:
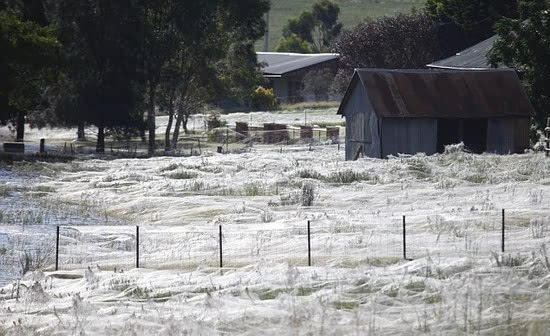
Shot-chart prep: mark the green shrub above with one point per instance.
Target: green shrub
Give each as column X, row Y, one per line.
column 214, row 120
column 4, row 191
column 182, row 175
column 312, row 174
column 172, row 166
column 347, row 176
column 344, row 177
column 263, row 99
column 251, row 189
column 419, row 168
column 308, row 194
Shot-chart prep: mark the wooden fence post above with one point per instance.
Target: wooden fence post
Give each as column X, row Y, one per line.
column 308, row 244
column 42, row 145
column 57, row 249
column 547, row 137
column 137, row 246
column 221, row 247
column 502, row 243
column 404, row 239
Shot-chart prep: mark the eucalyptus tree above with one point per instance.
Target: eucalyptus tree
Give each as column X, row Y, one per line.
column 402, row 41
column 28, row 63
column 100, row 84
column 313, row 30
column 191, row 75
column 476, row 17
column 524, row 45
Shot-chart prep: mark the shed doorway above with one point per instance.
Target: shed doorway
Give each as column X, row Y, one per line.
column 473, row 132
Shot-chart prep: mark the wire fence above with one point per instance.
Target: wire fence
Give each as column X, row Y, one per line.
column 224, row 140
column 317, row 242
column 174, row 247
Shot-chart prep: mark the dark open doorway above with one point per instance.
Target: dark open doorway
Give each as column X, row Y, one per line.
column 474, row 135
column 473, row 132
column 448, row 132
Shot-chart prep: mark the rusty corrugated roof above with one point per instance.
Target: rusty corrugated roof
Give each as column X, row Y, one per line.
column 443, row 93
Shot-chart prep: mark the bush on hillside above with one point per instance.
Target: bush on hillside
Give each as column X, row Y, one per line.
column 263, row 99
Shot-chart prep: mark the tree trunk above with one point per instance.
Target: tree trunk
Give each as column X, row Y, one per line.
column 168, row 129
column 184, row 123
column 20, row 127
column 142, row 134
column 151, row 121
column 180, row 122
column 180, row 116
column 100, row 145
column 170, row 120
column 80, row 135
column 176, row 134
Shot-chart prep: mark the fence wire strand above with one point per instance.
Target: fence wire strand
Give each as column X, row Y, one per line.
column 23, row 247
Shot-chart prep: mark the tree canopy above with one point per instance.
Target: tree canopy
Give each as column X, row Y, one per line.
column 301, row 27
column 294, row 43
column 524, row 45
column 100, row 84
column 400, row 41
column 312, row 31
column 476, row 17
column 403, row 41
column 28, row 61
column 210, row 51
column 191, row 37
column 325, row 14
column 124, row 60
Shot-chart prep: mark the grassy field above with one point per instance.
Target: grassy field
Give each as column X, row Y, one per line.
column 454, row 280
column 457, row 283
column 352, row 12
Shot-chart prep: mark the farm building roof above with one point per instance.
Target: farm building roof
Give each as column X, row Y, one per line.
column 442, row 93
column 278, row 64
column 473, row 58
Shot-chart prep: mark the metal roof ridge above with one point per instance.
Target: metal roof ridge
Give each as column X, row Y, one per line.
column 427, row 71
column 295, row 54
column 435, row 66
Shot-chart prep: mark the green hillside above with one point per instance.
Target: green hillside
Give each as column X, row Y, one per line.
column 352, row 12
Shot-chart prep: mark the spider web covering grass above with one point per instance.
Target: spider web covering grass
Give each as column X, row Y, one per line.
column 458, row 282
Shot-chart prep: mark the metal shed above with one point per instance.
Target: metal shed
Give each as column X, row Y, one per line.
column 473, row 58
column 285, row 72
column 389, row 112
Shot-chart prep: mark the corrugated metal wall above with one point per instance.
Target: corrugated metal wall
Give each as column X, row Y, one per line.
column 409, row 136
column 371, row 136
column 521, row 135
column 500, row 136
column 280, row 88
column 506, row 136
column 361, row 125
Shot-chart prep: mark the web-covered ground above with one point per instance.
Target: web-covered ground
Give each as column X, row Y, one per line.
column 457, row 283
